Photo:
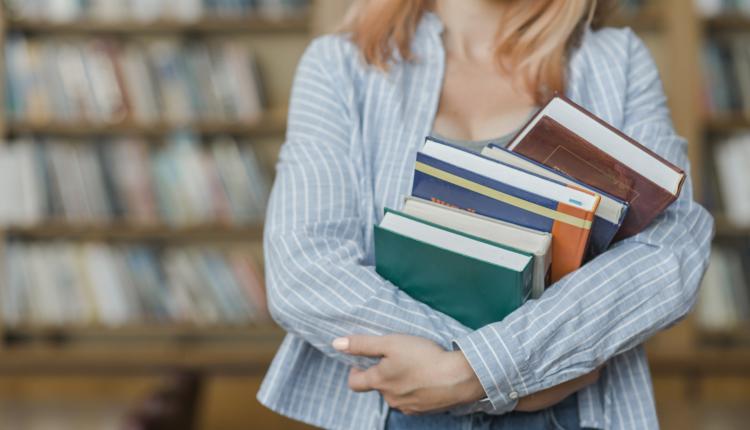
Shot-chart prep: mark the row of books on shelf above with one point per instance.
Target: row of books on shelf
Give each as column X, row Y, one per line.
column 732, row 158
column 182, row 182
column 151, row 10
column 724, row 301
column 66, row 284
column 711, row 8
column 727, row 74
column 508, row 222
column 102, row 81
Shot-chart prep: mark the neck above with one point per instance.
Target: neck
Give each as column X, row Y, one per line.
column 471, row 26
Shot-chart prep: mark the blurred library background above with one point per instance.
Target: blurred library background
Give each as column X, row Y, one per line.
column 140, row 138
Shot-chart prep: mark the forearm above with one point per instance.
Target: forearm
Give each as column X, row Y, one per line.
column 615, row 302
column 319, row 291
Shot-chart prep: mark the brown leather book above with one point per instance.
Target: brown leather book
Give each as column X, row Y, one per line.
column 567, row 137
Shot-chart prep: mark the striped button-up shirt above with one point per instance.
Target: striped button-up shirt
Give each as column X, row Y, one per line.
column 352, row 138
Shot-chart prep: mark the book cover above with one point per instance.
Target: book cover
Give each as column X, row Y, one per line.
column 570, row 226
column 524, row 239
column 472, row 291
column 591, row 151
column 609, row 215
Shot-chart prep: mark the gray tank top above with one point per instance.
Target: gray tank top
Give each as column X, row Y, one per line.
column 478, row 145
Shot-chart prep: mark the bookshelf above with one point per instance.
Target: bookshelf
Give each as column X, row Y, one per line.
column 671, row 27
column 272, row 123
column 151, row 347
column 130, row 27
column 136, row 233
column 155, row 348
column 692, row 365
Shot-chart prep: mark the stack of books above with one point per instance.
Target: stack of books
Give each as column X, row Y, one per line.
column 483, row 233
column 92, row 284
column 151, row 10
column 181, row 182
column 101, row 81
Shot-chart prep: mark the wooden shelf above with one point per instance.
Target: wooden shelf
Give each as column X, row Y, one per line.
column 727, row 229
column 141, row 333
column 249, row 354
column 736, row 22
column 650, row 19
column 736, row 336
column 272, row 123
column 134, row 232
column 299, row 24
column 729, row 123
column 726, row 361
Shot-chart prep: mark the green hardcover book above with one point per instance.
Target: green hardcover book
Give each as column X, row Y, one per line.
column 475, row 281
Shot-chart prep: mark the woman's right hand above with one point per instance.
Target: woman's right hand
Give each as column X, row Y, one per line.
column 554, row 395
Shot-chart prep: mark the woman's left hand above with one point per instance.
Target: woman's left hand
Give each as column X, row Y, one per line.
column 415, row 375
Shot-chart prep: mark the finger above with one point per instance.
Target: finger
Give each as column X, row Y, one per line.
column 361, row 381
column 369, row 346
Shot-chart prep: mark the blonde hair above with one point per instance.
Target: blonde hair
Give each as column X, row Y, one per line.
column 533, row 44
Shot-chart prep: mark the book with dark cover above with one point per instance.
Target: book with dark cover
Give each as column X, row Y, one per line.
column 610, row 213
column 532, row 201
column 568, row 138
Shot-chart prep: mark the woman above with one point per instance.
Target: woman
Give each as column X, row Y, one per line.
column 361, row 354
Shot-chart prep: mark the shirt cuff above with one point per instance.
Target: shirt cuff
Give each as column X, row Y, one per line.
column 498, row 362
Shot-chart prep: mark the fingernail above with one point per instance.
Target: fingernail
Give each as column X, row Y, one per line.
column 341, row 344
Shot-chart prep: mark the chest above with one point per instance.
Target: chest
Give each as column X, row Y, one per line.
column 479, row 101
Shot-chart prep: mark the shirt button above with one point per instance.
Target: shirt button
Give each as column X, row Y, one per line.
column 513, row 395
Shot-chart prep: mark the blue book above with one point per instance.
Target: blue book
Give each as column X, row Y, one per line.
column 610, row 213
column 455, row 177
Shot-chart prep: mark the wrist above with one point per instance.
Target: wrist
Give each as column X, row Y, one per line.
column 465, row 379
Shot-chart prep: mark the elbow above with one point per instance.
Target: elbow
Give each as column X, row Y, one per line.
column 281, row 310
column 695, row 260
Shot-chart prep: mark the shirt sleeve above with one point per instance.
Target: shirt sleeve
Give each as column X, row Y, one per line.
column 615, row 302
column 318, row 285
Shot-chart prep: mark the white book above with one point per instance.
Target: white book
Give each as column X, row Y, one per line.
column 58, row 263
column 106, row 286
column 246, row 97
column 194, row 185
column 47, row 297
column 732, row 159
column 146, row 10
column 34, row 197
column 455, row 242
column 177, row 106
column 94, row 191
column 183, row 10
column 259, row 186
column 234, row 176
column 75, row 81
column 607, row 140
column 514, row 236
column 62, row 10
column 13, row 200
column 140, row 86
column 511, row 176
column 202, row 308
column 14, row 296
column 108, row 10
column 105, row 88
